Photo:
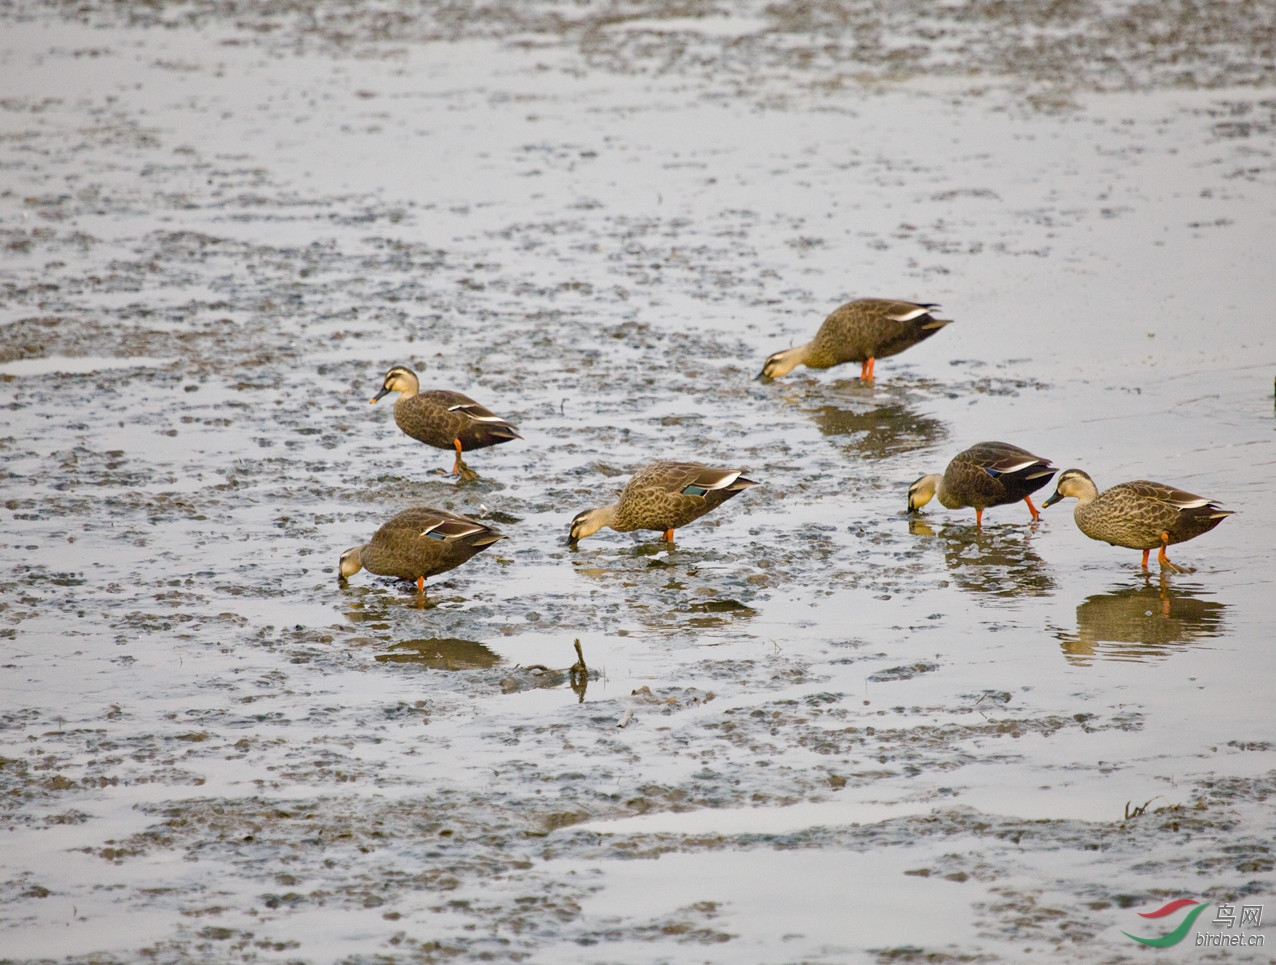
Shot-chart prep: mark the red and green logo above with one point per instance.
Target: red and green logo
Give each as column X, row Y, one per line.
column 1179, row 933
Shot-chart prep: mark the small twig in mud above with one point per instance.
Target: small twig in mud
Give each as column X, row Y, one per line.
column 577, row 675
column 580, row 673
column 625, row 718
column 1139, row 811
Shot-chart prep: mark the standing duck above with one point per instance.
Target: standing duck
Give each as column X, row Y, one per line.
column 860, row 331
column 986, row 474
column 417, row 543
column 443, row 419
column 1138, row 515
column 663, row 496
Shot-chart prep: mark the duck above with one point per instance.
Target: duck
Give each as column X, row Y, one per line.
column 417, row 543
column 861, row 331
column 986, row 474
column 1139, row 515
column 663, row 496
column 444, row 419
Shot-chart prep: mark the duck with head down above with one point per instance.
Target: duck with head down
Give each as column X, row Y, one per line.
column 663, row 497
column 417, row 543
column 986, row 474
column 443, row 419
column 861, row 331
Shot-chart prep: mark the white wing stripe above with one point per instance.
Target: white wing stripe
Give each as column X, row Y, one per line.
column 726, row 480
column 476, row 416
column 1017, row 466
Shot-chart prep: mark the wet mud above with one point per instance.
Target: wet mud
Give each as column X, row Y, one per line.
column 813, row 729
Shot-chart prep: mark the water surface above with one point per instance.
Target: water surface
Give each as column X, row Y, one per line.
column 809, row 719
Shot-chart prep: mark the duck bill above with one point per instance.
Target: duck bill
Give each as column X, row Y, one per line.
column 379, row 396
column 1052, row 500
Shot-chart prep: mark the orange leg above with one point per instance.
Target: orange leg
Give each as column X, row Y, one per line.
column 420, row 584
column 866, row 370
column 1145, row 558
column 1032, row 509
column 1165, row 560
column 459, row 468
column 979, row 519
column 668, row 536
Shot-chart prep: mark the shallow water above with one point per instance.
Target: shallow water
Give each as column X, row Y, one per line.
column 814, row 729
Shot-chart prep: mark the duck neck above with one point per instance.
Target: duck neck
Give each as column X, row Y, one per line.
column 792, row 358
column 785, row 361
column 1087, row 492
column 596, row 519
column 946, row 498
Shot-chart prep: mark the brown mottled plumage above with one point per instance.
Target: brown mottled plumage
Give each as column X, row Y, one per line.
column 861, row 331
column 418, row 543
column 986, row 474
column 663, row 496
column 443, row 419
column 1139, row 515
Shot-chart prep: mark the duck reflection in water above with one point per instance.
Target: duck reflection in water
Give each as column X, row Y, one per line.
column 442, row 653
column 995, row 561
column 1140, row 623
column 879, row 432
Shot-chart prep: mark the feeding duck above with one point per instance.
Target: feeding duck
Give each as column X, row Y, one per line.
column 986, row 474
column 860, row 331
column 663, row 496
column 417, row 543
